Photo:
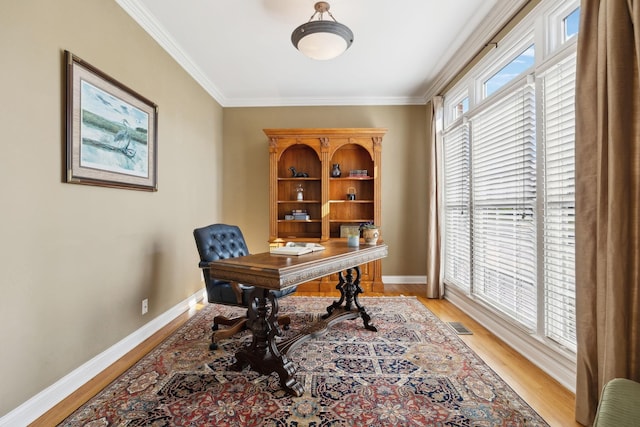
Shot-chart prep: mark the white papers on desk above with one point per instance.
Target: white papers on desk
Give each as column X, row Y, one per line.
column 295, row 248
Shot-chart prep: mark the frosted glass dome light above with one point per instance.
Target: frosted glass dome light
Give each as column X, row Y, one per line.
column 322, row 39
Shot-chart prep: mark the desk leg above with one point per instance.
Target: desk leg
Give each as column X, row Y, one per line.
column 262, row 354
column 349, row 291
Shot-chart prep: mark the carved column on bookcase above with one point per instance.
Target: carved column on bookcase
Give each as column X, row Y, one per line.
column 377, row 183
column 376, row 266
column 324, row 159
column 273, row 189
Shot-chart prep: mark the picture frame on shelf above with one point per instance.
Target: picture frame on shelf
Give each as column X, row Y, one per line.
column 111, row 131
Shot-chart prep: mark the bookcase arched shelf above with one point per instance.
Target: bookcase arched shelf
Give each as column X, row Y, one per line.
column 330, row 202
column 352, row 195
column 299, row 166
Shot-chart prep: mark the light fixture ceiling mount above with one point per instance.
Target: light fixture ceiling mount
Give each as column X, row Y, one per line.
column 322, row 39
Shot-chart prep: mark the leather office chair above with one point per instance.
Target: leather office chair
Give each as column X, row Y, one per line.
column 222, row 241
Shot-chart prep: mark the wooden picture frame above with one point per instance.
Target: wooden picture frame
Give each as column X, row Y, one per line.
column 111, row 131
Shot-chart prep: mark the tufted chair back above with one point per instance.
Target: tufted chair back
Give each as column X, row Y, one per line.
column 222, row 241
column 214, row 242
column 219, row 241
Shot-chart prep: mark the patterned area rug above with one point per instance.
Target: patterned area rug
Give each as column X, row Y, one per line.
column 414, row 371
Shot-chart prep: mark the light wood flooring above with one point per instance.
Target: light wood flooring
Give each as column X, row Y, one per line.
column 550, row 399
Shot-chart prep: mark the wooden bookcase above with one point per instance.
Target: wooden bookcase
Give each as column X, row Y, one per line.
column 313, row 152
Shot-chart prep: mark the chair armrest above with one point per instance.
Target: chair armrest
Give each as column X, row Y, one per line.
column 618, row 406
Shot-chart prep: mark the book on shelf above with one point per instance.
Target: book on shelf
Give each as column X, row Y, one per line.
column 297, row 248
column 303, row 217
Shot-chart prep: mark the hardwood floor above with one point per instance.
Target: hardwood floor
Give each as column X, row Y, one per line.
column 550, row 399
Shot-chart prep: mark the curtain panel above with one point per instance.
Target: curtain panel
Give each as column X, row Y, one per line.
column 435, row 284
column 607, row 199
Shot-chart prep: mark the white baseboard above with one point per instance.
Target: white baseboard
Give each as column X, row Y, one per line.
column 402, row 280
column 560, row 366
column 35, row 407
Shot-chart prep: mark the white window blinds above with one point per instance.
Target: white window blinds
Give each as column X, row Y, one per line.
column 456, row 206
column 509, row 185
column 503, row 177
column 558, row 91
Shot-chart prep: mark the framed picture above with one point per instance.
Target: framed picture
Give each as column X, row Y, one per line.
column 111, row 131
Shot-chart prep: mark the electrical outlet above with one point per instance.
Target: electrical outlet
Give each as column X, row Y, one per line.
column 145, row 306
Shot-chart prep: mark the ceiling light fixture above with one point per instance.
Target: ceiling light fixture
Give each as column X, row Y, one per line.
column 322, row 39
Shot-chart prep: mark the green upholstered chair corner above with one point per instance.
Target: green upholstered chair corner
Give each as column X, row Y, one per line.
column 619, row 404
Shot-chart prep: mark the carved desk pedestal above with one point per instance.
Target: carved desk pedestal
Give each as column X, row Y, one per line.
column 267, row 272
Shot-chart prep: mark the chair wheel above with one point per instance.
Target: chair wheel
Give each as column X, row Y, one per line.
column 213, row 346
column 214, row 327
column 286, row 327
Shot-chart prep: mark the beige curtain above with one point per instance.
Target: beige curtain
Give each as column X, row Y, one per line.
column 435, row 286
column 607, row 199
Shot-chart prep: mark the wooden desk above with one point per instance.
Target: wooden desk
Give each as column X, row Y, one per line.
column 275, row 272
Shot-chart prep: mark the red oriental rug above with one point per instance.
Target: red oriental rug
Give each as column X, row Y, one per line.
column 415, row 371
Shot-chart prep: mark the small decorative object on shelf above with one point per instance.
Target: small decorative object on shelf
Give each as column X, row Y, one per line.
column 299, row 214
column 370, row 233
column 299, row 192
column 351, row 193
column 335, row 171
column 358, row 173
column 296, row 174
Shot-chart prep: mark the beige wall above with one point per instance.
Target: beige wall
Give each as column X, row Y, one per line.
column 75, row 260
column 404, row 174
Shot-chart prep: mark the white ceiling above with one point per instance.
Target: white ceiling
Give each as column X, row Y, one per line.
column 240, row 51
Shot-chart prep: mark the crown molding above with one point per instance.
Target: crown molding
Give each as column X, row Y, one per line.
column 147, row 21
column 321, row 102
column 497, row 19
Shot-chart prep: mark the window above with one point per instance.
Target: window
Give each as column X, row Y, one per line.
column 510, row 71
column 558, row 89
column 460, row 108
column 456, row 106
column 509, row 180
column 457, row 206
column 503, row 175
column 571, row 24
